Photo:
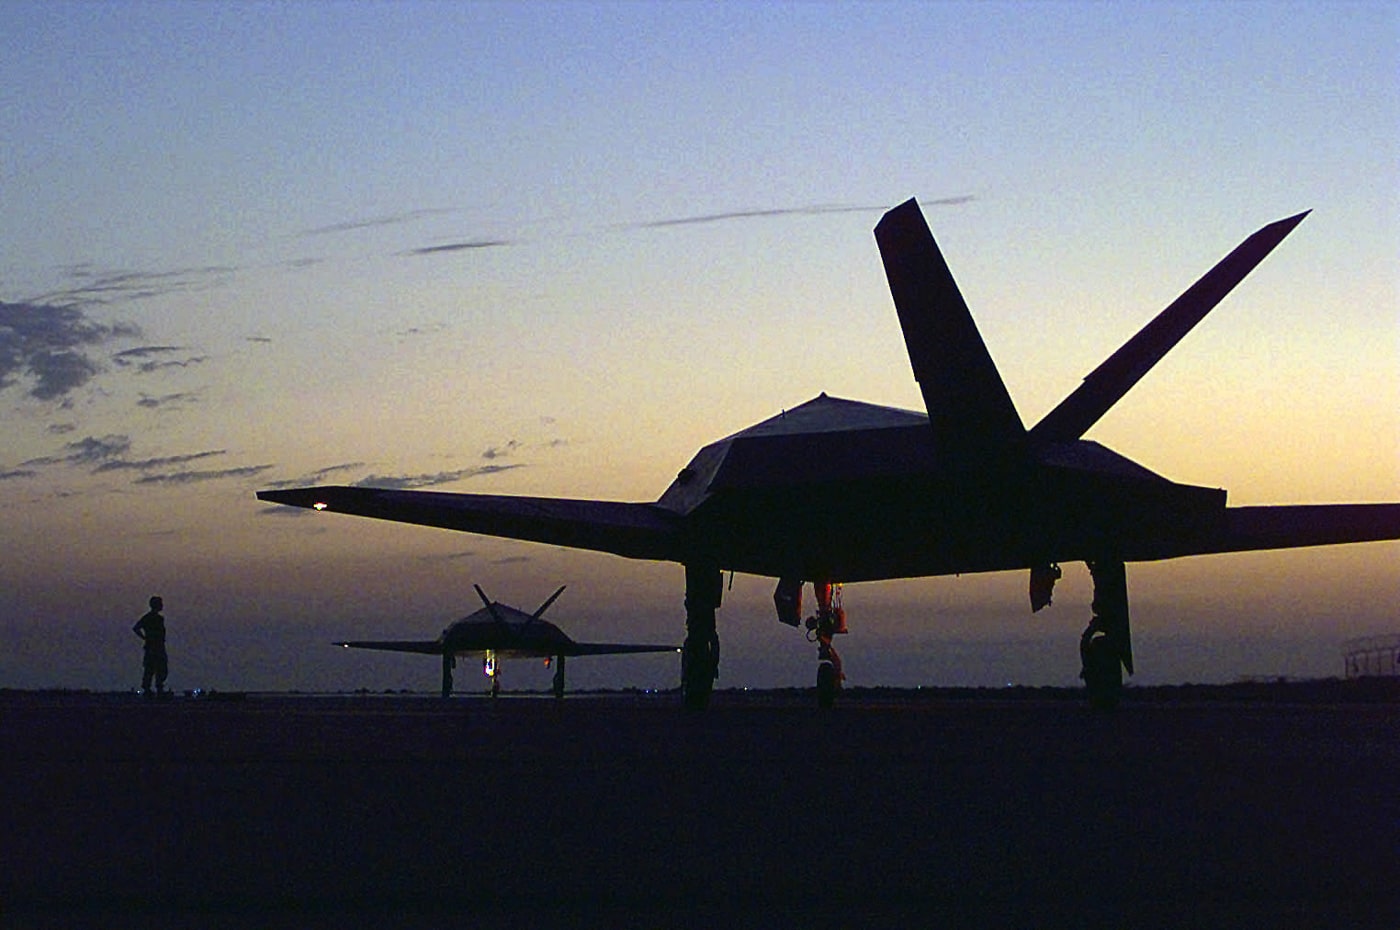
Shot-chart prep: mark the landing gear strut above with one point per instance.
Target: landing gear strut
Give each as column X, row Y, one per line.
column 449, row 662
column 830, row 619
column 704, row 587
column 559, row 677
column 1105, row 648
column 492, row 668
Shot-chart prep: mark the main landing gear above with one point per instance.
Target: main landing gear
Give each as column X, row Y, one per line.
column 1105, row 648
column 449, row 662
column 704, row 588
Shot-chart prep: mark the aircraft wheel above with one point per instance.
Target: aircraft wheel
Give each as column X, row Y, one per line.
column 1105, row 695
column 697, row 680
column 696, row 692
column 827, row 685
column 1103, row 678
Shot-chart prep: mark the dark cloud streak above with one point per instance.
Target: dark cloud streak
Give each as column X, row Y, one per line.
column 160, row 462
column 498, row 452
column 409, row 482
column 89, row 450
column 460, row 246
column 810, row 210
column 177, row 399
column 390, row 219
column 148, row 359
column 313, row 478
column 194, row 477
column 109, row 287
column 107, row 454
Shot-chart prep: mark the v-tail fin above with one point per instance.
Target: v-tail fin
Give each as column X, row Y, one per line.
column 967, row 402
column 1107, row 384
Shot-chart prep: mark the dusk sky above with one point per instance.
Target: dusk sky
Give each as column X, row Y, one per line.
column 555, row 249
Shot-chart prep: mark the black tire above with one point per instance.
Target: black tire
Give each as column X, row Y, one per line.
column 697, row 680
column 696, row 693
column 1103, row 677
column 827, row 685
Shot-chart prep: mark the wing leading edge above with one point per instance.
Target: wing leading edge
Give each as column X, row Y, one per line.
column 637, row 531
column 437, row 648
column 1286, row 526
column 610, row 649
column 421, row 647
column 1106, row 385
column 1301, row 525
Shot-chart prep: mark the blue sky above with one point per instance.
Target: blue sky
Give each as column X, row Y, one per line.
column 243, row 244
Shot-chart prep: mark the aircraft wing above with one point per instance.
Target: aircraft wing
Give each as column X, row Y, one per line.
column 607, row 649
column 434, row 648
column 424, row 647
column 1247, row 529
column 1291, row 527
column 637, row 531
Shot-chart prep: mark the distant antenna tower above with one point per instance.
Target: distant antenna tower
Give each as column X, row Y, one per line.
column 1372, row 657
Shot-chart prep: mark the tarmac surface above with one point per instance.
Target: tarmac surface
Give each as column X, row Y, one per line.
column 1258, row 806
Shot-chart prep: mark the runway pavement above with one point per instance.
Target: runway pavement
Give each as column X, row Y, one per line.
column 1214, row 807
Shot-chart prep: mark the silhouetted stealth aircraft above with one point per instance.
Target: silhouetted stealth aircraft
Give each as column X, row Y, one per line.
column 840, row 491
column 499, row 631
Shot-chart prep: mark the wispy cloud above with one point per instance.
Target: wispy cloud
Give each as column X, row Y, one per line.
column 753, row 214
column 193, row 477
column 770, row 212
column 107, row 287
column 146, row 359
column 388, row 219
column 502, row 451
column 109, row 454
column 957, row 201
column 17, row 473
column 290, row 513
column 408, row 482
column 313, row 478
column 117, row 464
column 178, row 399
column 48, row 344
column 413, row 332
column 438, row 557
column 90, row 450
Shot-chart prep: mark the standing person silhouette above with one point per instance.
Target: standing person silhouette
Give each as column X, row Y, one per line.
column 154, row 662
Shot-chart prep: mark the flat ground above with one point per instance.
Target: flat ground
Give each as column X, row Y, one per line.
column 1263, row 806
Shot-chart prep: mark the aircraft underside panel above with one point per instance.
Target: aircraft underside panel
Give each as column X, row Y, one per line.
column 880, row 530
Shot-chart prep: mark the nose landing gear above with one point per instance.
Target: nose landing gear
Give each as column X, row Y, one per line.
column 829, row 620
